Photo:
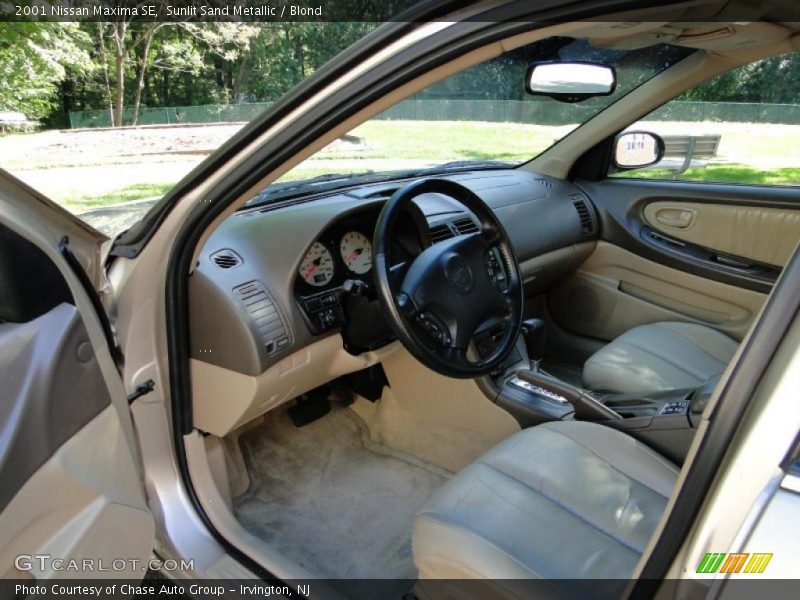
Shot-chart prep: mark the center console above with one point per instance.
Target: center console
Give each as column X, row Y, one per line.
column 664, row 421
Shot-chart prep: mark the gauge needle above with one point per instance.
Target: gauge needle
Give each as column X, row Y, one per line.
column 354, row 254
column 313, row 267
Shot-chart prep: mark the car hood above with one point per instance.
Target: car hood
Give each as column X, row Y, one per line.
column 113, row 220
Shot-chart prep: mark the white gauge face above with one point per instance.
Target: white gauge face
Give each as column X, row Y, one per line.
column 356, row 250
column 317, row 266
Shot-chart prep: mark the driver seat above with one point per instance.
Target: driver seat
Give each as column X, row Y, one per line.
column 563, row 500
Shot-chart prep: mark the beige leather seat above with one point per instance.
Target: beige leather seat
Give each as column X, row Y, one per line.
column 563, row 500
column 657, row 357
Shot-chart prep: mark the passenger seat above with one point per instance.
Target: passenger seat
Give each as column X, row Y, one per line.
column 659, row 357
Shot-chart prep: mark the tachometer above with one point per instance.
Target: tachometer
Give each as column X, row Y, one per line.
column 356, row 250
column 317, row 266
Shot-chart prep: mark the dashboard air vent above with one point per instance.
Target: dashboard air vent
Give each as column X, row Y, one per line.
column 584, row 214
column 545, row 183
column 226, row 259
column 441, row 232
column 465, row 226
column 271, row 329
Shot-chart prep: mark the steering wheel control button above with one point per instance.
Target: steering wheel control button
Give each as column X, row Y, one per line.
column 458, row 273
column 436, row 332
column 495, row 271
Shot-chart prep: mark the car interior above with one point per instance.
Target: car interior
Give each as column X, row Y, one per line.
column 494, row 373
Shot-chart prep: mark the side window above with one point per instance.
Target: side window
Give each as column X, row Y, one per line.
column 741, row 127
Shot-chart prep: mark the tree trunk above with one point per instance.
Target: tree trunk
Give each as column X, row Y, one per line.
column 137, row 100
column 119, row 96
column 104, row 63
column 121, row 56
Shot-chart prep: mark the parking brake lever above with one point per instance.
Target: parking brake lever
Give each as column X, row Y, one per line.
column 586, row 406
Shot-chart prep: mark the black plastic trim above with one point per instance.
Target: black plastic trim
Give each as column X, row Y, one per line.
column 724, row 422
column 87, row 286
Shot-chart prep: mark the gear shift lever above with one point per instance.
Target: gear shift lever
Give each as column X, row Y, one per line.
column 533, row 332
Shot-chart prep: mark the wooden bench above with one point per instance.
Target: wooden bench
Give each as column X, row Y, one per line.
column 681, row 150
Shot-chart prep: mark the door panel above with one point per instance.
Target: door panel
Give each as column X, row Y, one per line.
column 764, row 220
column 679, row 251
column 615, row 290
column 758, row 233
column 84, row 502
column 70, row 486
column 52, row 387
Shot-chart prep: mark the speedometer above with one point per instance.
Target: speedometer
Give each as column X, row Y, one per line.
column 356, row 250
column 317, row 266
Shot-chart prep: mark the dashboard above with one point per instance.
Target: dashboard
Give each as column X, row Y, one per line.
column 271, row 280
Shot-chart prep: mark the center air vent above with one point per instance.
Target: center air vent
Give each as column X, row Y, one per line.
column 441, row 232
column 465, row 226
column 226, row 259
column 584, row 214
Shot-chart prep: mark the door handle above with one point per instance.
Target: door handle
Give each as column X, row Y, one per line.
column 676, row 218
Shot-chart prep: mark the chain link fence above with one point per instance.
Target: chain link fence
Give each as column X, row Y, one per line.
column 508, row 111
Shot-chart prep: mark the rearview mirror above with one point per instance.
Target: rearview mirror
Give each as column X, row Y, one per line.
column 570, row 81
column 637, row 149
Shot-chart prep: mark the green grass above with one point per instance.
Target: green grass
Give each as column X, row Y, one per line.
column 724, row 174
column 712, row 173
column 394, row 145
column 448, row 140
column 140, row 191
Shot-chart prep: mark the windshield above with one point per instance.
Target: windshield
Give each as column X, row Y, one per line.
column 106, row 139
column 479, row 118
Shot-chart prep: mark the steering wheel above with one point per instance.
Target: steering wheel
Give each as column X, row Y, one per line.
column 453, row 289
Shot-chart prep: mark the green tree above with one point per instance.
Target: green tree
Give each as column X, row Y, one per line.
column 773, row 80
column 34, row 59
column 283, row 54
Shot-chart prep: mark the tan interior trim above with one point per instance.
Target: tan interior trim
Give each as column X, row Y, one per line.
column 767, row 235
column 446, row 422
column 223, row 399
column 620, row 290
column 86, row 498
column 750, row 469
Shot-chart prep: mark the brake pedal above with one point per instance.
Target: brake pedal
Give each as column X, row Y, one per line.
column 309, row 409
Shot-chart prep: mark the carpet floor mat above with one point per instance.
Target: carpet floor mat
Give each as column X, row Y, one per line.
column 331, row 500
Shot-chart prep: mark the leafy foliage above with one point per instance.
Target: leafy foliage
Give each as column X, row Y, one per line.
column 774, row 80
column 49, row 69
column 34, row 59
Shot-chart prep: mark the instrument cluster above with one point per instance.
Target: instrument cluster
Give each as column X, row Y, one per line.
column 318, row 267
column 339, row 263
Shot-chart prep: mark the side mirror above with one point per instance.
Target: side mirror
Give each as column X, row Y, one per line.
column 637, row 149
column 570, row 81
